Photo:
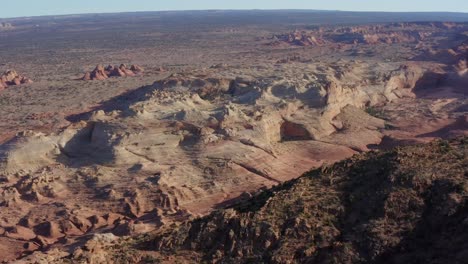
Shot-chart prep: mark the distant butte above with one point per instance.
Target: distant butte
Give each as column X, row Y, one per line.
column 364, row 34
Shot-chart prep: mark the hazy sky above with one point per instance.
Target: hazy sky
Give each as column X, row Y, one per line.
column 17, row 8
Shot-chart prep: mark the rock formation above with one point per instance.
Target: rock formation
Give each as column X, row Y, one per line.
column 365, row 34
column 377, row 207
column 205, row 138
column 11, row 78
column 101, row 73
column 241, row 133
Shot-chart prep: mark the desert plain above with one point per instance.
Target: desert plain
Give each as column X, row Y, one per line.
column 201, row 110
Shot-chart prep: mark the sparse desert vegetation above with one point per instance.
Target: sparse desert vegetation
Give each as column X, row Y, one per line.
column 231, row 137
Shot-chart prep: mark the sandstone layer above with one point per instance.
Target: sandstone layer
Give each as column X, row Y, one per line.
column 380, row 207
column 365, row 34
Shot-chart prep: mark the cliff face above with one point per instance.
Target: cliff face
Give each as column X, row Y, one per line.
column 406, row 204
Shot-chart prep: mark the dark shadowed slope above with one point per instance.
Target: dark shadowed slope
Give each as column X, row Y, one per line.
column 407, row 205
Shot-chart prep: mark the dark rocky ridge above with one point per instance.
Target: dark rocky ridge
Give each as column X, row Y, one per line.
column 405, row 205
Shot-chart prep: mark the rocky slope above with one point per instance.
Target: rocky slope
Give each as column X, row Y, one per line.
column 194, row 141
column 400, row 206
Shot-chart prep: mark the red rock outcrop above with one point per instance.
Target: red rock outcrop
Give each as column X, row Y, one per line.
column 98, row 73
column 11, row 77
column 101, row 73
column 125, row 71
column 364, row 34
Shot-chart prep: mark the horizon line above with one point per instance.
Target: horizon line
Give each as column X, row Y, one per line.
column 201, row 10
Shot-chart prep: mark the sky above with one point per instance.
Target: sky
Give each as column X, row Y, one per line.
column 18, row 8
